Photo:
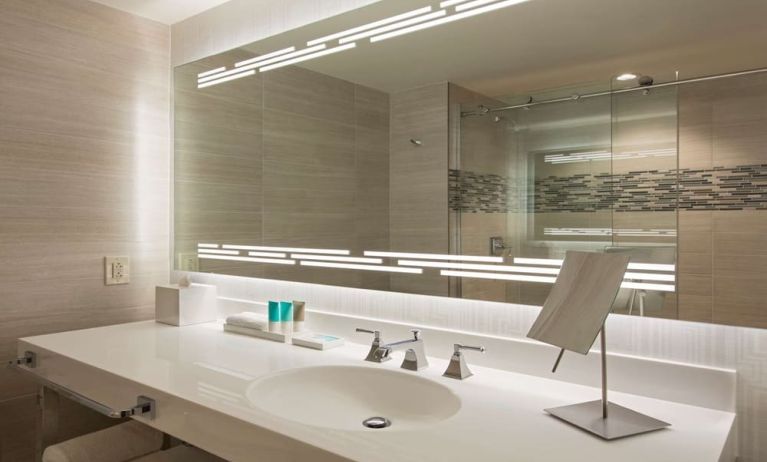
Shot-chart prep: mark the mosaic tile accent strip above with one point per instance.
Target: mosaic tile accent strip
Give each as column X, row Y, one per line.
column 721, row 188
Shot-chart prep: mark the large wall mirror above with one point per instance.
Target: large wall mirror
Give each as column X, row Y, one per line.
column 390, row 148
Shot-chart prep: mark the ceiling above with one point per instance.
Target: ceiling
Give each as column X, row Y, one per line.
column 164, row 11
column 546, row 43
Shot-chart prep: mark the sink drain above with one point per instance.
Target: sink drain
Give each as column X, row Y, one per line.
column 376, row 422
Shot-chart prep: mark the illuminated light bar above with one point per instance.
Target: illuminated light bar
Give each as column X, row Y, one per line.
column 625, row 232
column 287, row 249
column 301, row 256
column 388, row 269
column 632, row 266
column 434, row 256
column 225, row 79
column 474, row 4
column 470, row 266
column 246, row 259
column 308, row 57
column 371, row 25
column 267, row 254
column 381, row 30
column 258, row 59
column 219, row 252
column 650, row 277
column 211, row 72
column 645, row 286
column 501, row 277
column 446, row 20
column 208, row 246
column 448, row 3
column 262, row 63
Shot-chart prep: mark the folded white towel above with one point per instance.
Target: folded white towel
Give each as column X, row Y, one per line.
column 125, row 441
column 249, row 319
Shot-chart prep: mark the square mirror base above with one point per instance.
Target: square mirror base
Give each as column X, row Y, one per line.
column 620, row 422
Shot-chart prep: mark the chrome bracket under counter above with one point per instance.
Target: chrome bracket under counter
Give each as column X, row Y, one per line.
column 145, row 406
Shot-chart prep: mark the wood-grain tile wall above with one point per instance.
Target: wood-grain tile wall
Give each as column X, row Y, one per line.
column 84, row 170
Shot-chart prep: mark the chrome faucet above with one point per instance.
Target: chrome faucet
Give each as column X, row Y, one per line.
column 373, row 346
column 415, row 353
column 458, row 369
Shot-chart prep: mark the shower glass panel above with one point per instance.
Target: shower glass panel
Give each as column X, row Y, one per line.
column 534, row 182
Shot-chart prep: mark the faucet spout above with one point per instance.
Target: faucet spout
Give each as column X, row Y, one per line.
column 415, row 352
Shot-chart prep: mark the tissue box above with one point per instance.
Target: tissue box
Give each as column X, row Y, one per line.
column 183, row 306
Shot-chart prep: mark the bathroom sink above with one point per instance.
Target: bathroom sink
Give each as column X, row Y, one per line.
column 343, row 397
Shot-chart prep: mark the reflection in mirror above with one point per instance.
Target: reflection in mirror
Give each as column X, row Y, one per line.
column 362, row 152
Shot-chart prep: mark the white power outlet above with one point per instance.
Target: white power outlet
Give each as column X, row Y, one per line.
column 116, row 270
column 188, row 262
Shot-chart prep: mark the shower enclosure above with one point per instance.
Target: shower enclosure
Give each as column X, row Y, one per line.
column 593, row 173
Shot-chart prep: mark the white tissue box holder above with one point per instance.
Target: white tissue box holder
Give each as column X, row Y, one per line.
column 184, row 306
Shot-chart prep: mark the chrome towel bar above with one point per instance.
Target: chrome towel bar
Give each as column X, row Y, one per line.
column 145, row 406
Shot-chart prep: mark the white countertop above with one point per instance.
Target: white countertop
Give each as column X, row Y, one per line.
column 501, row 418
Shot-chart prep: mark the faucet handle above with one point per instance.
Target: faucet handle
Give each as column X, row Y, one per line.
column 376, row 333
column 371, row 356
column 458, row 369
column 416, row 333
column 457, row 348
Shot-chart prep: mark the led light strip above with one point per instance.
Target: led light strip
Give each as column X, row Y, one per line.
column 474, row 4
column 225, row 79
column 434, row 256
column 267, row 254
column 210, row 72
column 502, row 277
column 470, row 266
column 219, row 252
column 251, row 67
column 308, row 57
column 246, row 259
column 301, row 256
column 608, row 232
column 381, row 30
column 650, row 276
column 446, row 20
column 371, row 25
column 577, row 157
column 633, row 266
column 388, row 269
column 207, row 246
column 258, row 59
column 645, row 286
column 448, row 3
column 287, row 249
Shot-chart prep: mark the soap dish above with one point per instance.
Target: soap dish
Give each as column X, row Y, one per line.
column 273, row 336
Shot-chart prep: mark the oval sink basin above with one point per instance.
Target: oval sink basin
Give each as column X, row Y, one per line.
column 342, row 397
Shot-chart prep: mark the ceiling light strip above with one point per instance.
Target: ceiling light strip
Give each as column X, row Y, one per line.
column 225, row 79
column 471, row 266
column 501, row 277
column 246, row 259
column 650, row 277
column 371, row 25
column 646, row 286
column 390, row 27
column 446, row 20
column 211, row 72
column 434, row 256
column 207, row 246
column 308, row 57
column 219, row 252
column 258, row 59
column 388, row 269
column 301, row 256
column 286, row 249
column 267, row 254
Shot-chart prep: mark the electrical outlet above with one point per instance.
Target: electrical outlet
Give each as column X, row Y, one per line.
column 188, row 262
column 116, row 270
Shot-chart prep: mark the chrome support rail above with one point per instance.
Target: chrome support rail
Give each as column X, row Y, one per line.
column 145, row 406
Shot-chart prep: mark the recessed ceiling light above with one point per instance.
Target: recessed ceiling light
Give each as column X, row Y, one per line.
column 626, row 76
